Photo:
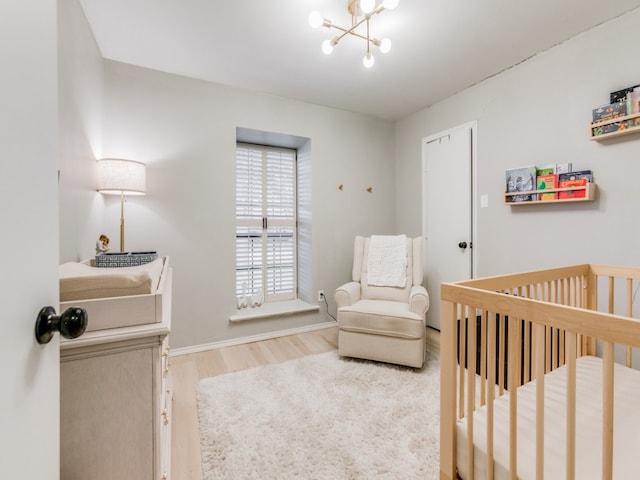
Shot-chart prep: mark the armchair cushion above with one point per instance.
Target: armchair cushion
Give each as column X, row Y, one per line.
column 381, row 317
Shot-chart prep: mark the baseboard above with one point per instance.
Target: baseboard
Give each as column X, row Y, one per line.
column 253, row 338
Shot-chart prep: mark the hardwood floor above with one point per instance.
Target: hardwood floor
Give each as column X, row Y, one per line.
column 188, row 370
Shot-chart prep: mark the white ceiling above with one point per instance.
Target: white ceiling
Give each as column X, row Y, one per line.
column 439, row 46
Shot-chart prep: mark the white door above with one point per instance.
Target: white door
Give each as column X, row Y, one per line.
column 29, row 402
column 447, row 212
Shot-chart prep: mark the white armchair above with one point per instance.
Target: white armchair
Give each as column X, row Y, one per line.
column 382, row 322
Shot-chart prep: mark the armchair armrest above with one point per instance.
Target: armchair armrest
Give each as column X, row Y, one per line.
column 347, row 294
column 419, row 300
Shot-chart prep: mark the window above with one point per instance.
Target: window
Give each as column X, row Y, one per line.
column 266, row 234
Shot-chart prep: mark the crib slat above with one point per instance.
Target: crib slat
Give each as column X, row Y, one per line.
column 539, row 367
column 547, row 356
column 534, row 351
column 491, row 380
column 483, row 358
column 611, row 294
column 462, row 352
column 527, row 343
column 514, row 381
column 563, row 301
column 471, row 386
column 527, row 352
column 571, row 405
column 589, row 300
column 607, row 410
column 572, row 294
column 501, row 354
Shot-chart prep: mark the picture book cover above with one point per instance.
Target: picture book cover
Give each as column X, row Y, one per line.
column 563, row 167
column 634, row 101
column 574, row 179
column 522, row 179
column 546, row 169
column 547, row 182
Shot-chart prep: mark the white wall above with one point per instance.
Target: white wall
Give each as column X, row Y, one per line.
column 538, row 113
column 80, row 93
column 184, row 130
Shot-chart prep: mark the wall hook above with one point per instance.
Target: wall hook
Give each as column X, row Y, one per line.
column 369, row 189
column 340, row 187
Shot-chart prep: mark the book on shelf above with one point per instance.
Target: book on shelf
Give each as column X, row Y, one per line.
column 547, row 182
column 522, row 179
column 633, row 101
column 554, row 168
column 609, row 112
column 574, row 179
column 621, row 96
column 546, row 169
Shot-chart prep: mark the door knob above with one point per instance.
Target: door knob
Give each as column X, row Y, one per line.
column 462, row 245
column 71, row 324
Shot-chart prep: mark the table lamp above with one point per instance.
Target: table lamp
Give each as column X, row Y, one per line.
column 121, row 177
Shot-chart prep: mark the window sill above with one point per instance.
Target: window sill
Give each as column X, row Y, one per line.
column 274, row 309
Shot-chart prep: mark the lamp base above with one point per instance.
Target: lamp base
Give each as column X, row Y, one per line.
column 122, row 222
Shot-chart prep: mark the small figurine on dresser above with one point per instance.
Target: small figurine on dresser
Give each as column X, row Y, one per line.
column 102, row 245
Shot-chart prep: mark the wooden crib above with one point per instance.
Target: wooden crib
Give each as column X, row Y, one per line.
column 536, row 376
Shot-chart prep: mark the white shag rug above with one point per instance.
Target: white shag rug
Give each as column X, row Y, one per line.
column 322, row 417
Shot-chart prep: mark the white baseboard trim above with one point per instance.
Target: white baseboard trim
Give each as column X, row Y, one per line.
column 253, row 338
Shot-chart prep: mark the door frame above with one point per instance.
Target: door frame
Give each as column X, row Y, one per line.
column 473, row 125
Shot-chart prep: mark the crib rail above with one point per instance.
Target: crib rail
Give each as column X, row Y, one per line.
column 501, row 332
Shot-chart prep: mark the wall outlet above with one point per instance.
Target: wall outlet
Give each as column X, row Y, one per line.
column 321, row 295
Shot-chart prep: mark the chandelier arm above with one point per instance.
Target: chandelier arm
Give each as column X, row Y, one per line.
column 368, row 38
column 351, row 30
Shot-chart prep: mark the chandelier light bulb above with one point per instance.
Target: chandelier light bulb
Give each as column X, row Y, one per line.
column 390, row 4
column 368, row 60
column 367, row 6
column 327, row 47
column 385, row 45
column 315, row 19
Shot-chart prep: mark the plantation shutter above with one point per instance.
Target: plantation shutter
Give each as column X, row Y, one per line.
column 266, row 222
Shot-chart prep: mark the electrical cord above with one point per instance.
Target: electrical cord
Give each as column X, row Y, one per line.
column 324, row 297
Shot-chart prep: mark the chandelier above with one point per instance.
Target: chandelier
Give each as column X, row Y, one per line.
column 361, row 12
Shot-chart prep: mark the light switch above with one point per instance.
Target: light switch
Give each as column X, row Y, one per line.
column 484, row 201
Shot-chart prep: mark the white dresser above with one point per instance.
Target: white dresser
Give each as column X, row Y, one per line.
column 115, row 402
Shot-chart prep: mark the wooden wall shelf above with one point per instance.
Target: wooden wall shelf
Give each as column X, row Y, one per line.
column 590, row 196
column 633, row 126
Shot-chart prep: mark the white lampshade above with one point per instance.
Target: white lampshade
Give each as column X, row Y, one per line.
column 117, row 176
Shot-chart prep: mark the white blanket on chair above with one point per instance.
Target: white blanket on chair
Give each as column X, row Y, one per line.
column 387, row 261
